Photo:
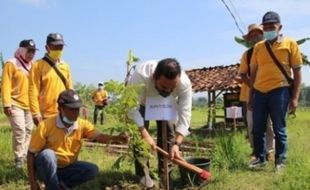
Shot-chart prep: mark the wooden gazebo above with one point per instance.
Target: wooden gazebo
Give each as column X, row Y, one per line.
column 215, row 80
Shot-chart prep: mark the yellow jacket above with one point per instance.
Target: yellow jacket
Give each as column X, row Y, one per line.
column 244, row 69
column 99, row 96
column 14, row 85
column 268, row 76
column 53, row 135
column 45, row 86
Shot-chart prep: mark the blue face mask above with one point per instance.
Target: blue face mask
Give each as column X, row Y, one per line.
column 67, row 121
column 270, row 35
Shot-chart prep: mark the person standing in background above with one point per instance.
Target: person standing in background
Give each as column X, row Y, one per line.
column 48, row 77
column 254, row 35
column 14, row 89
column 100, row 99
column 273, row 90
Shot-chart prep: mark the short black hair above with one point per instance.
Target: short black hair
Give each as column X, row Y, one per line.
column 169, row 68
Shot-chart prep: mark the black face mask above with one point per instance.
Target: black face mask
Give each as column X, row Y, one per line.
column 163, row 93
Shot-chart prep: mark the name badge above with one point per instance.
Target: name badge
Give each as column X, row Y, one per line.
column 160, row 108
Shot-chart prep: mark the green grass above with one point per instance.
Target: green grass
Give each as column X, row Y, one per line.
column 10, row 178
column 200, row 117
column 230, row 171
column 229, row 160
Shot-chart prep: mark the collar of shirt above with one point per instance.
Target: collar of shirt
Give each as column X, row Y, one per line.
column 280, row 38
column 68, row 130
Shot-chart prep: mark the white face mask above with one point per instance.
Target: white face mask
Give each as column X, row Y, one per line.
column 270, row 35
column 67, row 121
column 100, row 87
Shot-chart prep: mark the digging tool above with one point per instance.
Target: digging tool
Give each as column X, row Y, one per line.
column 203, row 174
column 165, row 148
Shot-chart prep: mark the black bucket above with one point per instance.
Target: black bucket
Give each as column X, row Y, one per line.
column 190, row 178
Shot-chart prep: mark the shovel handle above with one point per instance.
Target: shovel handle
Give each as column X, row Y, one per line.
column 181, row 162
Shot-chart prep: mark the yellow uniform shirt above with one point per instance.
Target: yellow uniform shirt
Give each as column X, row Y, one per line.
column 244, row 68
column 45, row 86
column 66, row 145
column 268, row 75
column 14, row 85
column 99, row 96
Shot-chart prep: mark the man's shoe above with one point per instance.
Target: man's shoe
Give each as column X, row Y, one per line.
column 279, row 167
column 257, row 163
column 279, row 164
column 147, row 182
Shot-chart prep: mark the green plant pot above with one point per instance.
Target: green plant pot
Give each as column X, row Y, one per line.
column 190, row 178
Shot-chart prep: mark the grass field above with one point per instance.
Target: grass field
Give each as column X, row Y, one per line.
column 229, row 156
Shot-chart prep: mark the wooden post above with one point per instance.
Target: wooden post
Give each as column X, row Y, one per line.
column 235, row 118
column 209, row 112
column 213, row 108
column 165, row 147
column 235, row 125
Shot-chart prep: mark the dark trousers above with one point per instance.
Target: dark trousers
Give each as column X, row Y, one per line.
column 274, row 103
column 96, row 111
column 72, row 175
column 140, row 169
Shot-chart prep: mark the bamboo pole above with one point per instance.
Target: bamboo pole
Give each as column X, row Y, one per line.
column 124, row 148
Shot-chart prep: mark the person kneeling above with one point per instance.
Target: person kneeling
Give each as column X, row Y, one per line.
column 56, row 143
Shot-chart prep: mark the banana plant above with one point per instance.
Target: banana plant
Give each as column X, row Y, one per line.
column 301, row 41
column 247, row 44
column 243, row 42
column 304, row 57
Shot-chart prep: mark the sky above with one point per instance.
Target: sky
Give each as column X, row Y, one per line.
column 99, row 33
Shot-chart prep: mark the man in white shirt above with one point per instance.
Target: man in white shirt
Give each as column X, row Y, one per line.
column 166, row 79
